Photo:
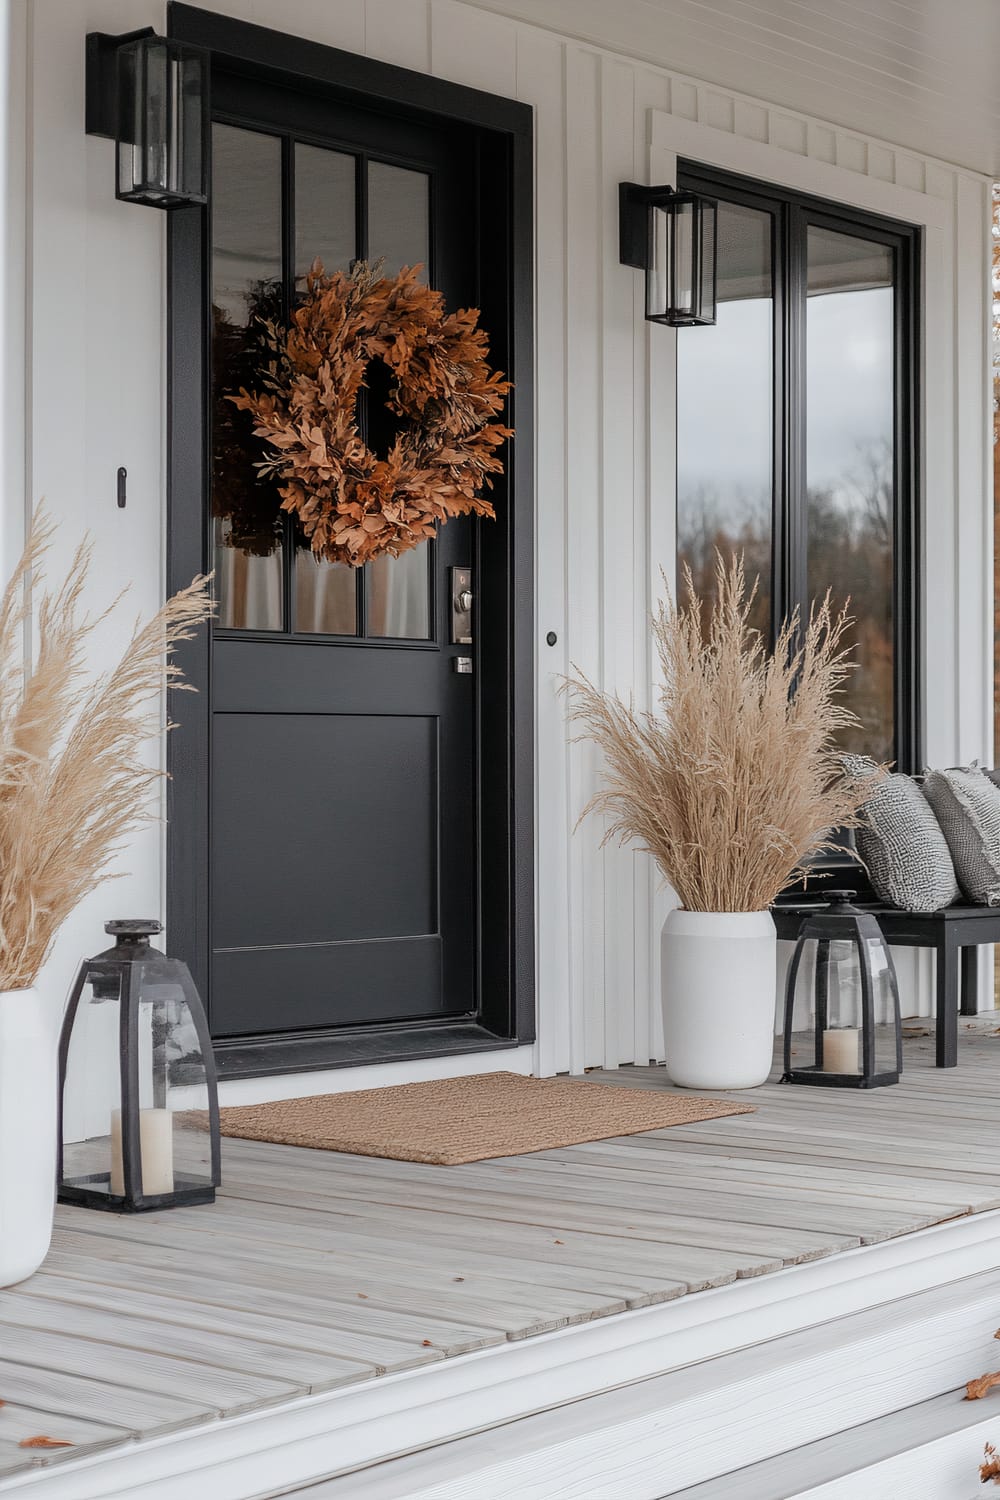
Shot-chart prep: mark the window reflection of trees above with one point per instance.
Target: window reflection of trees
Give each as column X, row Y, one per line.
column 851, row 552
column 738, row 522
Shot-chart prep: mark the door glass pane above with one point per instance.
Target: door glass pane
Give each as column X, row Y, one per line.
column 849, row 462
column 325, row 229
column 325, row 595
column 246, row 285
column 398, row 232
column 725, row 416
column 399, row 595
column 398, row 217
column 324, row 209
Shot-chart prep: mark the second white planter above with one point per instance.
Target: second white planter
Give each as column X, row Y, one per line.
column 719, row 988
column 28, row 1084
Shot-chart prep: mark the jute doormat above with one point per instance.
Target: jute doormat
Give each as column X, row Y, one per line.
column 455, row 1120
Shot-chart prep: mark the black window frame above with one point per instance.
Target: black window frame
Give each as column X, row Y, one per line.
column 792, row 213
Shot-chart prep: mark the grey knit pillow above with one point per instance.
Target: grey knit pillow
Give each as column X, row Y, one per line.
column 967, row 806
column 901, row 843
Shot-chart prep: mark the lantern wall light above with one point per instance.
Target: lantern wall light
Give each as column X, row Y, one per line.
column 149, row 93
column 671, row 235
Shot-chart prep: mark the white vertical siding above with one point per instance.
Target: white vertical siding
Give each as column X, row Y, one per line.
column 605, row 412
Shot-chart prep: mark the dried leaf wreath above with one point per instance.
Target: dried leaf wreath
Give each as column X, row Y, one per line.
column 352, row 504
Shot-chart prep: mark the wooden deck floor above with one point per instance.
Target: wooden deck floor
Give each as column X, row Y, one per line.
column 315, row 1270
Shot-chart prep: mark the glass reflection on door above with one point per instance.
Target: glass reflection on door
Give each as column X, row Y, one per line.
column 725, row 416
column 246, row 285
column 326, row 593
column 399, row 599
column 252, row 284
column 850, row 462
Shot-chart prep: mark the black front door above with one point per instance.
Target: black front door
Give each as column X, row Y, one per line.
column 343, row 737
column 339, row 839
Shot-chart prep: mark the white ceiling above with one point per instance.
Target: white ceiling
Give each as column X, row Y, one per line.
column 918, row 73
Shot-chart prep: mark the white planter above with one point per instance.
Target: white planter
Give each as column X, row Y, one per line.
column 28, row 1085
column 719, row 986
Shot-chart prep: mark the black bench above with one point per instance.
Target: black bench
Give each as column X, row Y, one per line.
column 954, row 933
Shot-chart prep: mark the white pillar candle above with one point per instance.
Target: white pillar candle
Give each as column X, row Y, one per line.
column 840, row 1050
column 156, row 1152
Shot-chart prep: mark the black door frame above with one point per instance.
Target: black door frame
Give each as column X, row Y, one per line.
column 502, row 222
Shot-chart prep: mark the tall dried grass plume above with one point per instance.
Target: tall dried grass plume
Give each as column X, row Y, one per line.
column 736, row 781
column 74, row 783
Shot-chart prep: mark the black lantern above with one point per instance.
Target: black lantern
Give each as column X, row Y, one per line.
column 842, row 1001
column 139, row 1107
column 671, row 235
column 150, row 93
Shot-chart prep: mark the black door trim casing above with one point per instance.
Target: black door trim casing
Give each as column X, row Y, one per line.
column 503, row 223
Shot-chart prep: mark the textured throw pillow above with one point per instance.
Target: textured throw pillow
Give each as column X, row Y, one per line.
column 966, row 803
column 901, row 843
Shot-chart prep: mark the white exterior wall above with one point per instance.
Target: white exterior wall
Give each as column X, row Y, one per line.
column 95, row 393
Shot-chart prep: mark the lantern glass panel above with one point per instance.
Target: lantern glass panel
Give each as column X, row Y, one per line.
column 175, row 1141
column 92, row 1096
column 162, row 111
column 135, row 1038
column 706, row 234
column 685, row 224
column 658, row 262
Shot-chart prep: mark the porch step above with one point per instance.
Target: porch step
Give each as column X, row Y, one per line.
column 933, row 1449
column 803, row 1400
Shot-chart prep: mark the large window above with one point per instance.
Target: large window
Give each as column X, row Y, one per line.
column 795, row 432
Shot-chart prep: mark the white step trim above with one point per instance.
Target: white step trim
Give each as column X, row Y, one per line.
column 277, row 1449
column 661, row 1436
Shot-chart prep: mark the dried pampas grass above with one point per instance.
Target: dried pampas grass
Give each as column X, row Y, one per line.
column 73, row 780
column 737, row 781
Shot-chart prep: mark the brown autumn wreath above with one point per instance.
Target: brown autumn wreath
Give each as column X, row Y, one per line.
column 352, row 504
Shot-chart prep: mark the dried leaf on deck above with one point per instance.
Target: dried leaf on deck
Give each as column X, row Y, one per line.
column 975, row 1390
column 990, row 1467
column 45, row 1442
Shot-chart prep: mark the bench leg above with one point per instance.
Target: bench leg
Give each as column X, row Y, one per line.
column 970, row 982
column 947, row 1005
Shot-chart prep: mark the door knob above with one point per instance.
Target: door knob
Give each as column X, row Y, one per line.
column 464, row 601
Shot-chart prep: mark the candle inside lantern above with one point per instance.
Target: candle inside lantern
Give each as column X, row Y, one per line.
column 840, row 1050
column 156, row 1152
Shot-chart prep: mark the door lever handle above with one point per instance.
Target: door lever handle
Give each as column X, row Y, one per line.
column 464, row 601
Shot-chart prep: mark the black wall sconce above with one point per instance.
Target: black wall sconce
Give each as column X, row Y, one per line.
column 671, row 235
column 149, row 93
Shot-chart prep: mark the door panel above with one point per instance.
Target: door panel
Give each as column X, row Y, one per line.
column 343, row 763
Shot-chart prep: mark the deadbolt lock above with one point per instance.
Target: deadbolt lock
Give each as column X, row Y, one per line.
column 461, row 606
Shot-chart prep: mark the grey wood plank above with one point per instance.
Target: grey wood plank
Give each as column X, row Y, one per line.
column 657, row 1171
column 344, row 1278
column 218, row 1391
column 158, row 1312
column 606, row 1207
column 540, row 1210
column 18, row 1422
column 267, row 1270
column 50, row 1388
column 112, row 1325
column 504, row 1260
column 793, row 1246
column 437, row 1235
column 300, row 1314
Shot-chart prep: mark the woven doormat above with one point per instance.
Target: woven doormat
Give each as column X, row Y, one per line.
column 455, row 1120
